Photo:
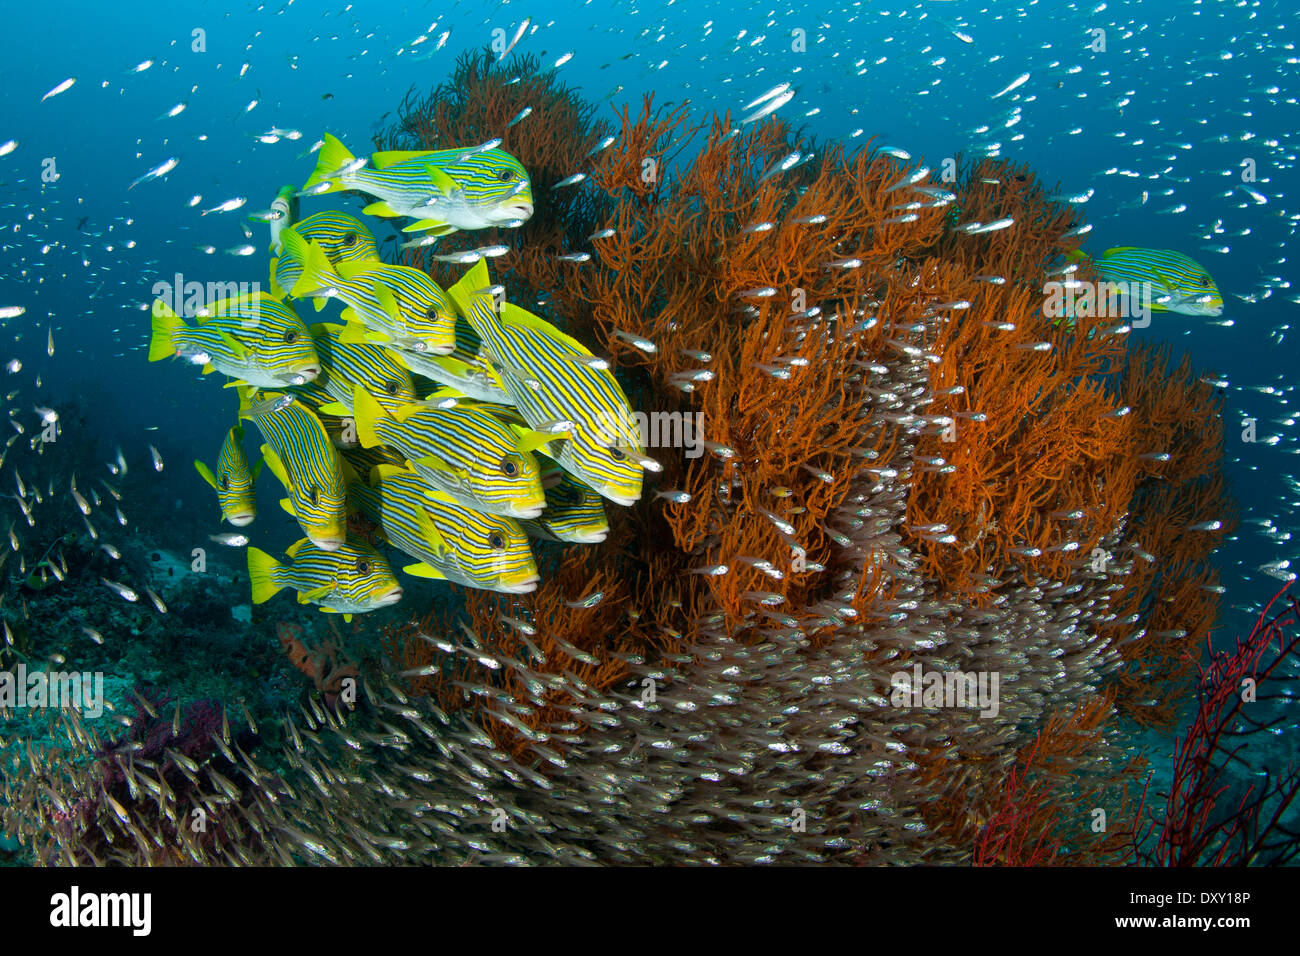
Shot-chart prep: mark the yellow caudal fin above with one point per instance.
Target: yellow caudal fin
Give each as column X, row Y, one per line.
column 470, row 295
column 332, row 157
column 166, row 324
column 365, row 412
column 261, row 571
column 317, row 273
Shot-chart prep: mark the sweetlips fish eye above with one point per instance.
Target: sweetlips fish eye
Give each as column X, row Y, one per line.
column 363, row 567
column 509, row 468
column 349, row 237
column 391, row 387
column 505, row 175
column 616, row 454
column 314, row 496
column 225, row 482
column 497, row 542
column 431, row 312
column 290, row 337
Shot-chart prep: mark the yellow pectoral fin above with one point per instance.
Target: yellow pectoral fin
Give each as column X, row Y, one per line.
column 315, row 594
column 435, row 226
column 380, row 209
column 387, row 301
column 206, row 473
column 276, row 465
column 286, row 504
column 236, row 347
column 429, row 532
column 441, row 181
column 422, row 570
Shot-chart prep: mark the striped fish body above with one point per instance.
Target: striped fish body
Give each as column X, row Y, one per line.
column 445, row 190
column 350, row 579
column 233, row 480
column 342, row 432
column 358, row 460
column 347, row 366
column 341, row 237
column 1178, row 284
column 300, row 454
column 449, row 542
column 574, row 513
column 465, row 370
column 408, row 310
column 542, row 371
column 255, row 339
column 464, row 451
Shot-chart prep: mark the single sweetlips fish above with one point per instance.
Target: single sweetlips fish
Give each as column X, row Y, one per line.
column 449, row 541
column 387, row 305
column 465, row 369
column 552, row 377
column 341, row 237
column 574, row 513
column 444, row 190
column 233, row 479
column 300, row 454
column 352, row 578
column 1178, row 284
column 255, row 339
column 347, row 366
column 464, row 451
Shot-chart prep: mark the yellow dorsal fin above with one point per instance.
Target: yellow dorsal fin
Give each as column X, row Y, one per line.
column 391, row 157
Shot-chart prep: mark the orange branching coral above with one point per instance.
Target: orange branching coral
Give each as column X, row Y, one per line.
column 877, row 453
column 325, row 664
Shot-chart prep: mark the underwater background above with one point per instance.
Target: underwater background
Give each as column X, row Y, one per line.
column 1147, row 137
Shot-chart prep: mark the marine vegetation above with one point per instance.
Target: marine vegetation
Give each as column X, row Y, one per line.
column 887, row 477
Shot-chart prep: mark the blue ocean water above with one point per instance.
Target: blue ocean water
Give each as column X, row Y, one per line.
column 1156, row 129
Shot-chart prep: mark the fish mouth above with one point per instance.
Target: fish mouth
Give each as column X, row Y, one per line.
column 517, row 210
column 389, row 597
column 621, row 499
column 241, row 519
column 520, row 585
column 306, row 374
column 589, row 537
column 528, row 510
column 326, row 542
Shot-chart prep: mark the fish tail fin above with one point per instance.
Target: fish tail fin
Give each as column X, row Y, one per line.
column 317, row 273
column 166, row 324
column 471, row 296
column 261, row 571
column 333, row 156
column 365, row 412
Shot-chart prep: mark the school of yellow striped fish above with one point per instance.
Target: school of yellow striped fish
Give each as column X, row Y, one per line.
column 515, row 430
